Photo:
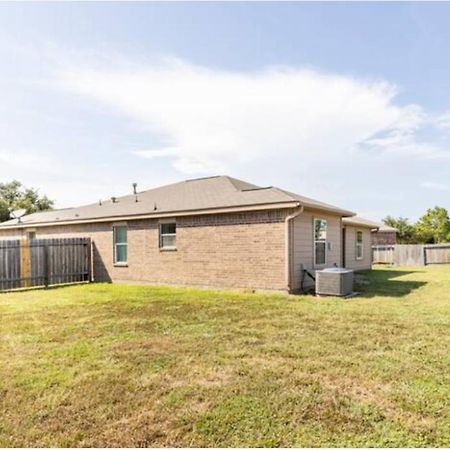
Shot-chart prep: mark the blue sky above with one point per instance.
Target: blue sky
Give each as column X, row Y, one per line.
column 345, row 102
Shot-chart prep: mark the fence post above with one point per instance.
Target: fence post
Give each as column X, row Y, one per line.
column 25, row 262
column 424, row 255
column 90, row 250
column 46, row 265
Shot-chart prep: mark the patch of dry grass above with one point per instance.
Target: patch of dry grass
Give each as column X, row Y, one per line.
column 113, row 365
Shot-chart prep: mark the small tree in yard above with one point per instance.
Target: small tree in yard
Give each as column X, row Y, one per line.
column 434, row 226
column 14, row 195
column 406, row 232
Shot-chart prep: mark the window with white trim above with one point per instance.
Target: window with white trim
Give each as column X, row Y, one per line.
column 359, row 245
column 168, row 235
column 120, row 244
column 320, row 242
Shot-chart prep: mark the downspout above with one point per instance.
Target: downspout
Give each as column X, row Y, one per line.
column 288, row 246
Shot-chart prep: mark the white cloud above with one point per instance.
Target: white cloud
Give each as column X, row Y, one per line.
column 436, row 186
column 404, row 143
column 401, row 138
column 443, row 120
column 337, row 138
column 27, row 161
column 214, row 120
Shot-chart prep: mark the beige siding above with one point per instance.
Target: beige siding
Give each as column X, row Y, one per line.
column 303, row 245
column 350, row 249
column 245, row 250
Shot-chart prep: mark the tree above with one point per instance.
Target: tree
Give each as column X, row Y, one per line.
column 14, row 195
column 406, row 232
column 434, row 226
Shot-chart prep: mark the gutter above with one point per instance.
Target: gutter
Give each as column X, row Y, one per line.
column 288, row 245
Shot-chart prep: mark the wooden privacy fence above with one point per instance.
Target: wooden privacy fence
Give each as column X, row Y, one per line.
column 383, row 254
column 43, row 262
column 411, row 255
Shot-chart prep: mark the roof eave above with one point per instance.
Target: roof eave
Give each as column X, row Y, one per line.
column 242, row 208
column 372, row 227
column 336, row 211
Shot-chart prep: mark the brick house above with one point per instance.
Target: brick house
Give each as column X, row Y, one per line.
column 215, row 231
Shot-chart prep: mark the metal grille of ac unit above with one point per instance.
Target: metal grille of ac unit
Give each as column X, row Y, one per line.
column 335, row 281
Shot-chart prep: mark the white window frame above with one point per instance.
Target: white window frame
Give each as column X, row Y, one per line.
column 115, row 244
column 321, row 241
column 359, row 245
column 162, row 235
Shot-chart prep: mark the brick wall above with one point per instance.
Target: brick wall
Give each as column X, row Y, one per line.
column 242, row 250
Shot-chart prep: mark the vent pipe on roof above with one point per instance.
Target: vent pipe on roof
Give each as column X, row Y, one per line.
column 135, row 192
column 100, row 202
column 114, row 199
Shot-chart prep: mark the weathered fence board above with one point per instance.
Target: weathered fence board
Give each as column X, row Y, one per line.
column 383, row 254
column 411, row 255
column 437, row 254
column 44, row 262
column 9, row 264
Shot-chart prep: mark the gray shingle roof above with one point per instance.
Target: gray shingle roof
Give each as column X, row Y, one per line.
column 190, row 196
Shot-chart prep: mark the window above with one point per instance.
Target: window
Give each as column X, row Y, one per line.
column 120, row 244
column 320, row 242
column 359, row 245
column 168, row 235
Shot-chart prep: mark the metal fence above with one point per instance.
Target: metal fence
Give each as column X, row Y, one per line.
column 44, row 262
column 411, row 255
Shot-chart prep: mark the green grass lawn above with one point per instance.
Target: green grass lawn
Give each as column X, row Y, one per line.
column 114, row 365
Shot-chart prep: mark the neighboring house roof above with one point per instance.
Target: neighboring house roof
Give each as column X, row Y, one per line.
column 188, row 197
column 385, row 229
column 361, row 222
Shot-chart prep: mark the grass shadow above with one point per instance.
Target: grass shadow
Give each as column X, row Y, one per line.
column 384, row 282
column 43, row 288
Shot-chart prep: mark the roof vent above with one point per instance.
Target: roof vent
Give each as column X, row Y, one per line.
column 134, row 188
column 155, row 207
column 114, row 199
